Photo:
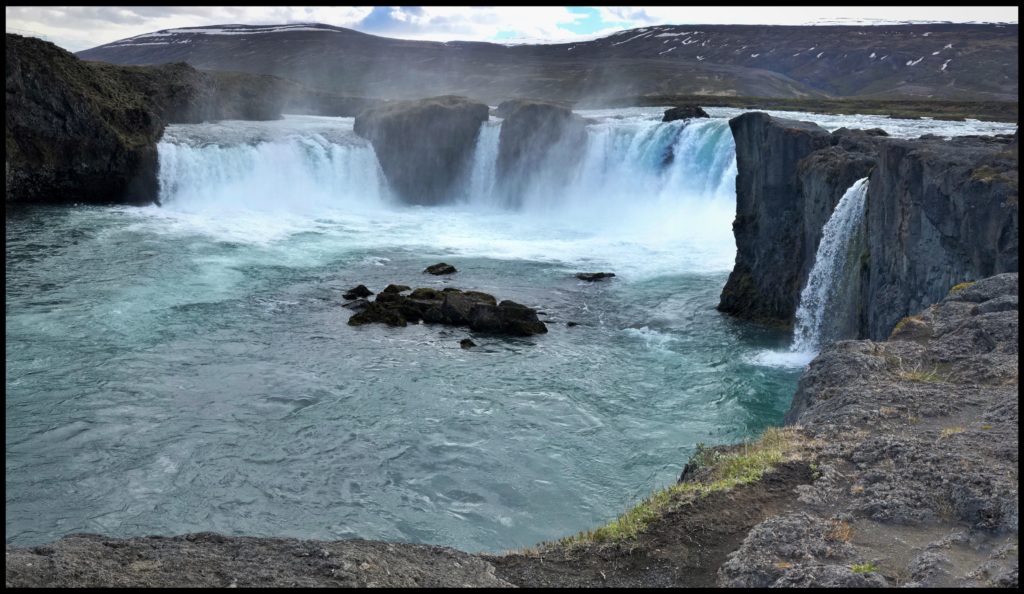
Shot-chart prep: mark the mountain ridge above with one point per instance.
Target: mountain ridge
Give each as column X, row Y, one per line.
column 920, row 61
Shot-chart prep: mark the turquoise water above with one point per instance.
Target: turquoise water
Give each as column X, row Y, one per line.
column 189, row 367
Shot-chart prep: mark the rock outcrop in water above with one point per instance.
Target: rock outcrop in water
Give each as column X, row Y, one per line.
column 539, row 141
column 423, row 146
column 81, row 131
column 938, row 212
column 684, row 112
column 481, row 312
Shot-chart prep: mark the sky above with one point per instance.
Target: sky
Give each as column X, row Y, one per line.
column 81, row 27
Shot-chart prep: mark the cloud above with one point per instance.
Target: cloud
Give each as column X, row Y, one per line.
column 82, row 27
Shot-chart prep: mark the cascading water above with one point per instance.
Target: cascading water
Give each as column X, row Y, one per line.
column 668, row 186
column 830, row 264
column 305, row 168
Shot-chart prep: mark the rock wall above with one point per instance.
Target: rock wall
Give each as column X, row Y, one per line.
column 938, row 213
column 423, row 146
column 81, row 131
column 539, row 146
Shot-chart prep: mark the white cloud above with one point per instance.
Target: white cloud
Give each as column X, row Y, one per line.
column 81, row 27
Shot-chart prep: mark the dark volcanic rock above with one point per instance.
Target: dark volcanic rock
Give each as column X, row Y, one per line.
column 440, row 268
column 215, row 561
column 357, row 304
column 539, row 147
column 87, row 131
column 594, row 276
column 684, row 112
column 508, row 317
column 396, row 289
column 423, row 146
column 765, row 282
column 938, row 212
column 453, row 307
column 467, row 343
column 357, row 291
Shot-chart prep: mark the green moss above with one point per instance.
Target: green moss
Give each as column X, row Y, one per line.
column 960, row 287
column 748, row 463
column 864, row 568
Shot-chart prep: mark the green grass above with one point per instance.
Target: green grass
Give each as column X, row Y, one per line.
column 864, row 568
column 748, row 463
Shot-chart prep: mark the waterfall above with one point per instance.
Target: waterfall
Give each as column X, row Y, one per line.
column 480, row 184
column 267, row 167
column 830, row 265
column 635, row 175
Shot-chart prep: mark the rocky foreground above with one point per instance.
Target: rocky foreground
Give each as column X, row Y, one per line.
column 898, row 467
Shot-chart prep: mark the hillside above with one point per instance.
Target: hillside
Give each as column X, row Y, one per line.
column 938, row 61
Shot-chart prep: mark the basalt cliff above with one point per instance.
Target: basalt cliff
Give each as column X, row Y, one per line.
column 81, row 131
column 939, row 212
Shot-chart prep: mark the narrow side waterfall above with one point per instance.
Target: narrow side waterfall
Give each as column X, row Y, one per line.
column 830, row 264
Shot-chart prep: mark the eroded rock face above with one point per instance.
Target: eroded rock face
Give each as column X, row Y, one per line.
column 938, row 212
column 423, row 146
column 87, row 131
column 539, row 146
column 684, row 112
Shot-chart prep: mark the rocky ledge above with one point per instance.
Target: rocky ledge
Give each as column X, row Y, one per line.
column 897, row 467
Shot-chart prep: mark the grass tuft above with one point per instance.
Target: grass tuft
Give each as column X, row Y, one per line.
column 864, row 568
column 951, row 431
column 746, row 464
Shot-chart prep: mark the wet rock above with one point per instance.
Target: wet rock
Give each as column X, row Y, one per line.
column 357, row 305
column 453, row 307
column 359, row 291
column 508, row 317
column 376, row 313
column 396, row 289
column 594, row 276
column 456, row 306
column 571, row 324
column 440, row 268
column 424, row 146
column 684, row 112
column 467, row 343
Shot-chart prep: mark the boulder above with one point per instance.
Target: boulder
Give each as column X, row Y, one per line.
column 594, row 276
column 423, row 146
column 357, row 292
column 377, row 313
column 684, row 112
column 467, row 343
column 440, row 268
column 396, row 289
column 508, row 317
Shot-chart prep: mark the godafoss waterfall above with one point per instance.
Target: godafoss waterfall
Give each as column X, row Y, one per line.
column 188, row 367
